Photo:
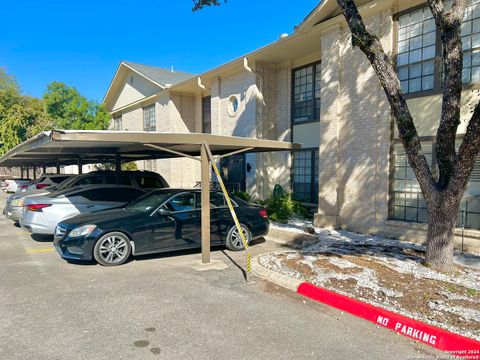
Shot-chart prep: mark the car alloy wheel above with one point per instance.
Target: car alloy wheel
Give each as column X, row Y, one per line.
column 234, row 240
column 112, row 249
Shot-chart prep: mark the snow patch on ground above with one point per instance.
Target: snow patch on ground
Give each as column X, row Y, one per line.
column 329, row 248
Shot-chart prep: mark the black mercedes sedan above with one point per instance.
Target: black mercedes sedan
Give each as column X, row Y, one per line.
column 163, row 220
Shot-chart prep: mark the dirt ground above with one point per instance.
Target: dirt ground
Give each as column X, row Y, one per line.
column 388, row 274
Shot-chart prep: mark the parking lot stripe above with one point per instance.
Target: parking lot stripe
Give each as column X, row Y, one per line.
column 33, row 251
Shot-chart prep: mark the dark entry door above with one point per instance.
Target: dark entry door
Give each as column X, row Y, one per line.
column 234, row 172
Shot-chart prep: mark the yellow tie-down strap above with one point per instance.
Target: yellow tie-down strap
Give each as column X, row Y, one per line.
column 232, row 211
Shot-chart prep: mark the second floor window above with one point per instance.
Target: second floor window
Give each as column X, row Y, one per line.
column 149, row 123
column 117, row 123
column 206, row 115
column 416, row 51
column 471, row 43
column 306, row 93
column 419, row 54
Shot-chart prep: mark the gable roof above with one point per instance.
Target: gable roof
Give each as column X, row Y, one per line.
column 160, row 76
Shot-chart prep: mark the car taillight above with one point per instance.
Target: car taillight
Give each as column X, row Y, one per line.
column 23, row 186
column 263, row 213
column 41, row 186
column 37, row 207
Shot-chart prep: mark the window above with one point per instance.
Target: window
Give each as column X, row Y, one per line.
column 471, row 42
column 306, row 93
column 233, row 104
column 407, row 200
column 217, row 200
column 149, row 182
column 89, row 180
column 149, row 122
column 207, row 115
column 116, row 194
column 117, row 123
column 305, row 176
column 182, row 202
column 416, row 51
column 59, row 179
column 112, row 179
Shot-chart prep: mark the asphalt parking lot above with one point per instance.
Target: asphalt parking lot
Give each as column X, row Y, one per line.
column 167, row 307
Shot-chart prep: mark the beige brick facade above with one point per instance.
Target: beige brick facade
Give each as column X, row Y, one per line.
column 354, row 135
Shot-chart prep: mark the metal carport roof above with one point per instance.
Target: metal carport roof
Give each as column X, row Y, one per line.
column 66, row 147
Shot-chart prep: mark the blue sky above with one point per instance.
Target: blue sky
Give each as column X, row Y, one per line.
column 82, row 42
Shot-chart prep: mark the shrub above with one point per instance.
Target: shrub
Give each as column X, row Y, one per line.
column 282, row 207
column 243, row 195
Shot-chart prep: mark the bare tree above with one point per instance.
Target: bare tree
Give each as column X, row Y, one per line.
column 442, row 193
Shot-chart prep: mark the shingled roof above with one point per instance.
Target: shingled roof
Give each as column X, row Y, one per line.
column 160, row 75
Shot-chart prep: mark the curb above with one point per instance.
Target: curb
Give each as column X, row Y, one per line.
column 444, row 340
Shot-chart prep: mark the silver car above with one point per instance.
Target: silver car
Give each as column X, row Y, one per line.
column 14, row 206
column 144, row 180
column 41, row 214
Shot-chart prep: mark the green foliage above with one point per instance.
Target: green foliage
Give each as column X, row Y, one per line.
column 242, row 195
column 282, row 207
column 130, row 166
column 200, row 4
column 70, row 110
column 22, row 119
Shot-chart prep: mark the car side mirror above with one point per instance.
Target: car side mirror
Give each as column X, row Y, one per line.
column 164, row 212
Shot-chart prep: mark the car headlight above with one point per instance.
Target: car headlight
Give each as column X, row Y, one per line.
column 82, row 231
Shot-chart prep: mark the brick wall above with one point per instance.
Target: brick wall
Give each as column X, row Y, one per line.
column 354, row 133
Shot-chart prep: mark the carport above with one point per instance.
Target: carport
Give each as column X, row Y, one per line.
column 73, row 147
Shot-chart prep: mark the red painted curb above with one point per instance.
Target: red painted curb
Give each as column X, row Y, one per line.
column 427, row 334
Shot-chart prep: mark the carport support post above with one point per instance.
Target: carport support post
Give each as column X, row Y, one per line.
column 79, row 164
column 58, row 168
column 21, row 172
column 205, row 166
column 28, row 172
column 44, row 169
column 118, row 168
column 34, row 173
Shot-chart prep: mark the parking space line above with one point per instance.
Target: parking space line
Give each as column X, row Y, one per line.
column 34, row 251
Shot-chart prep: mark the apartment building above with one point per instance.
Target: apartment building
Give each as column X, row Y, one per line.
column 313, row 88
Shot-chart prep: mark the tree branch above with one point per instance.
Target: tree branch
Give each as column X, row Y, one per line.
column 467, row 154
column 450, row 25
column 387, row 75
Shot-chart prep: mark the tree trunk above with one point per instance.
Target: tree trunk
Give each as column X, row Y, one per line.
column 442, row 212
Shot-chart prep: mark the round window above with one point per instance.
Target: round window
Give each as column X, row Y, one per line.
column 233, row 105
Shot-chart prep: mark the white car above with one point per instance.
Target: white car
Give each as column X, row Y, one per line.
column 41, row 214
column 13, row 185
column 47, row 180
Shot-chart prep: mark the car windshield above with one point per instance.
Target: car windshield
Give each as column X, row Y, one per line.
column 149, row 202
column 65, row 184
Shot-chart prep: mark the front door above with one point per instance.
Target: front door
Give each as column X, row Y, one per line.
column 234, row 172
